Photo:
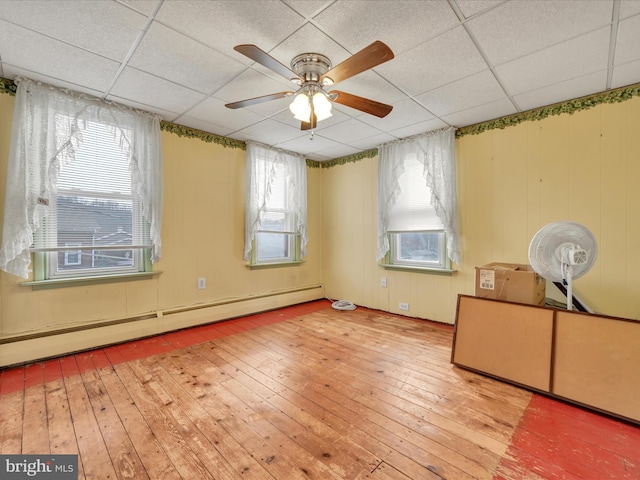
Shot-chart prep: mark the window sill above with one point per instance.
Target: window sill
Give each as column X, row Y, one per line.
column 259, row 266
column 411, row 268
column 82, row 281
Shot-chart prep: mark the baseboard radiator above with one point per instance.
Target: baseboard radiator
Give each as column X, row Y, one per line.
column 40, row 345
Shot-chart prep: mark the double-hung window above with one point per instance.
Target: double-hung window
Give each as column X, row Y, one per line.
column 276, row 206
column 95, row 225
column 417, row 236
column 84, row 189
column 276, row 239
column 417, row 207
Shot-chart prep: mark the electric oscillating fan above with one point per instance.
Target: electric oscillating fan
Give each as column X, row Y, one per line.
column 562, row 252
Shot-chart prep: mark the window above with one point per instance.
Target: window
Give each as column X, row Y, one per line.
column 276, row 239
column 94, row 209
column 85, row 196
column 417, row 235
column 417, row 216
column 420, row 249
column 276, row 206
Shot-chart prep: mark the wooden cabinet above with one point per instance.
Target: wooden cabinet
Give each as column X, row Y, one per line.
column 588, row 359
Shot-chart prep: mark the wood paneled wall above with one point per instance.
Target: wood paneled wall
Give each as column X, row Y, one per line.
column 202, row 236
column 582, row 167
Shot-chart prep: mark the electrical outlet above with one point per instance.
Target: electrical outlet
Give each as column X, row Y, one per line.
column 202, row 283
column 383, row 281
column 403, row 306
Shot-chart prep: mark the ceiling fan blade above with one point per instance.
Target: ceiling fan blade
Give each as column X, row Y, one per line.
column 360, row 103
column 367, row 58
column 255, row 101
column 263, row 58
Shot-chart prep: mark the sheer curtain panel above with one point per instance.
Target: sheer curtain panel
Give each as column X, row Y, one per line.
column 261, row 165
column 435, row 152
column 50, row 126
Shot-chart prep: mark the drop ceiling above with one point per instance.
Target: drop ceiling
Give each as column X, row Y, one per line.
column 457, row 62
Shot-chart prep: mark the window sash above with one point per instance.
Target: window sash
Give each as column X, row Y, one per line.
column 94, row 210
column 398, row 240
column 288, row 253
column 275, row 185
column 276, row 240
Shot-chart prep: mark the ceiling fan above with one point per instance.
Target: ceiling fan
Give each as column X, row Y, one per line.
column 312, row 72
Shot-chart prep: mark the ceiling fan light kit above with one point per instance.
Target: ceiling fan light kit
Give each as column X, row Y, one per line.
column 313, row 72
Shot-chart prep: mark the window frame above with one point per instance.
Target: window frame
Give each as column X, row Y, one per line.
column 46, row 264
column 443, row 262
column 292, row 237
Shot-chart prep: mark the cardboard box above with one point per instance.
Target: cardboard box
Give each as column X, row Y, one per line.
column 512, row 282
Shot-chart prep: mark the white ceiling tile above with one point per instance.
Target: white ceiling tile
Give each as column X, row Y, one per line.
column 251, row 84
column 628, row 41
column 573, row 59
column 307, row 146
column 576, row 87
column 157, row 91
column 165, row 114
column 519, row 28
column 223, row 24
column 374, row 141
column 370, row 85
column 309, row 39
column 400, row 24
column 473, row 91
column 213, row 110
column 270, row 132
column 145, row 7
column 629, row 8
column 76, row 22
column 308, row 8
column 406, row 112
column 417, row 128
column 470, row 8
column 337, row 151
column 179, row 59
column 444, row 59
column 349, row 131
column 482, row 113
column 12, row 72
column 205, row 126
column 626, row 74
column 27, row 50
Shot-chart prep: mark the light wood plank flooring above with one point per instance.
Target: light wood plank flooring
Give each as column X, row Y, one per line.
column 295, row 394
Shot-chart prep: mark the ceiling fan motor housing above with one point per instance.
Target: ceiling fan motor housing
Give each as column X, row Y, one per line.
column 310, row 66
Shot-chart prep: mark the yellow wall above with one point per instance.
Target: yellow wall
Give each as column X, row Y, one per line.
column 582, row 167
column 202, row 236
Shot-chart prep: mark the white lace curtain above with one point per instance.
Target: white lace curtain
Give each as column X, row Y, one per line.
column 41, row 143
column 435, row 150
column 260, row 175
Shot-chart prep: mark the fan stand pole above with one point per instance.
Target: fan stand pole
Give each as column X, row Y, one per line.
column 568, row 275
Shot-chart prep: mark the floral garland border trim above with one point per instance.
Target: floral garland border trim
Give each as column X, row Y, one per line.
column 356, row 157
column 207, row 137
column 8, row 86
column 570, row 107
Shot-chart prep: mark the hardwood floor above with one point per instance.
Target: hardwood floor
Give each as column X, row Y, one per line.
column 303, row 392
